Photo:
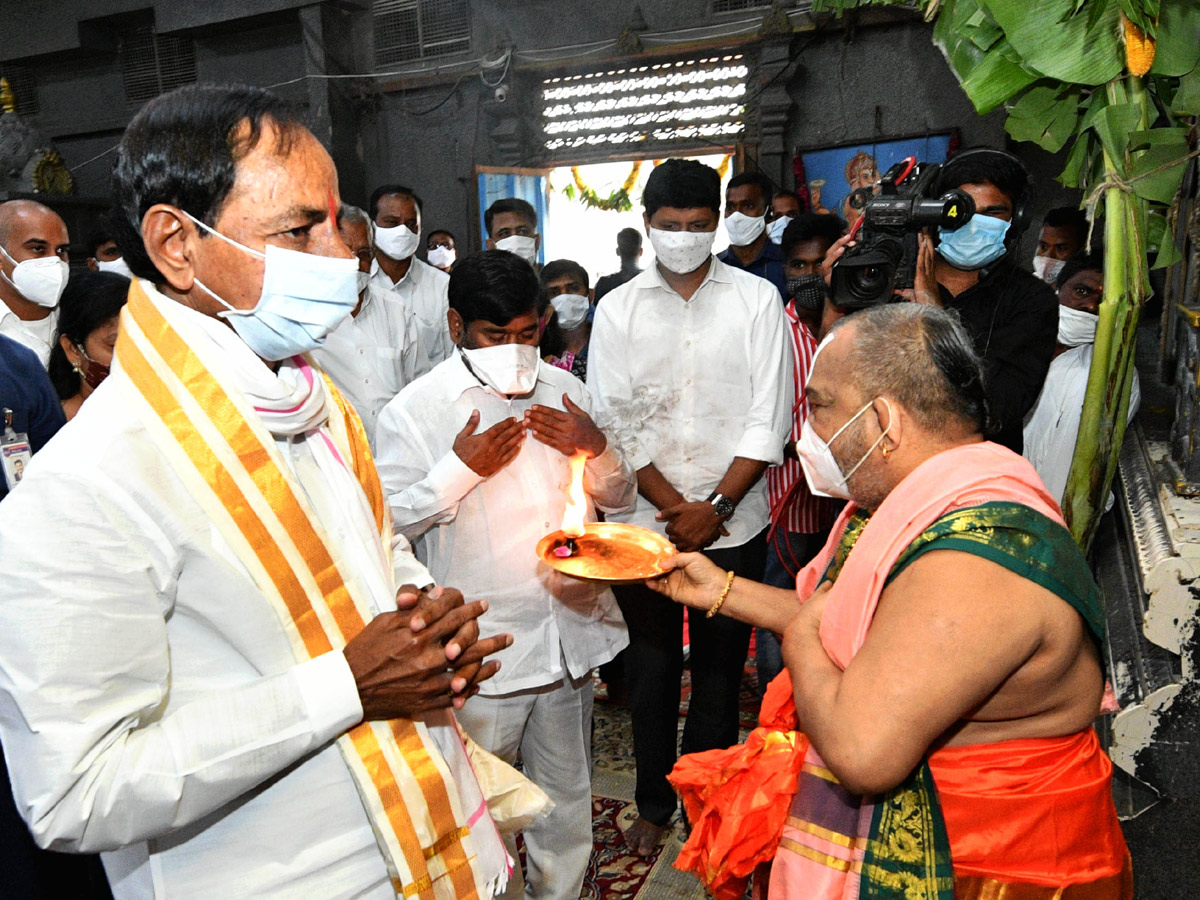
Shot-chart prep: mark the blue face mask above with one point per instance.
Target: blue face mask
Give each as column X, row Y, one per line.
column 775, row 229
column 974, row 245
column 304, row 297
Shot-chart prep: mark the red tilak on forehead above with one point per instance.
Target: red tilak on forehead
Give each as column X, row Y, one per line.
column 332, row 207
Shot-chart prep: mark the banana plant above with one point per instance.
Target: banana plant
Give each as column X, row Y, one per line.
column 1117, row 84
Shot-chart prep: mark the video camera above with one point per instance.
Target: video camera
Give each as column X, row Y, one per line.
column 884, row 259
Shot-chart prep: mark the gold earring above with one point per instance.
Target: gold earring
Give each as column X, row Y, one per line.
column 886, row 451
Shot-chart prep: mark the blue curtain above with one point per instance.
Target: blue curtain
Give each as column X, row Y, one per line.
column 495, row 186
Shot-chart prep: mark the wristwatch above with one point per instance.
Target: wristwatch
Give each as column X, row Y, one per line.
column 722, row 504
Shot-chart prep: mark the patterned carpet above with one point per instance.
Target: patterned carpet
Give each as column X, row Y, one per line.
column 613, row 873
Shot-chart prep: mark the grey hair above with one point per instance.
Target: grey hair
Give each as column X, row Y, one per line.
column 924, row 358
column 350, row 213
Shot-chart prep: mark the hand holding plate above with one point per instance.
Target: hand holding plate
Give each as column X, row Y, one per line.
column 694, row 581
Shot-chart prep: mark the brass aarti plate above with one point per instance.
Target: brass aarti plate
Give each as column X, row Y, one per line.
column 608, row 551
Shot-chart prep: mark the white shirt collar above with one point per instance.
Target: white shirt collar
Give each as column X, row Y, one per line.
column 386, row 280
column 651, row 278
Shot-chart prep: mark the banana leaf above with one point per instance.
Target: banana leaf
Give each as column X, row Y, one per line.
column 1045, row 116
column 959, row 28
column 995, row 80
column 1054, row 42
column 1159, row 169
column 1177, row 47
column 1186, row 101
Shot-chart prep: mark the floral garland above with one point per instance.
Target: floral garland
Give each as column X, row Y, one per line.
column 617, row 201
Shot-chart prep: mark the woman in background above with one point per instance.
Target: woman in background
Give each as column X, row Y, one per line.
column 87, row 333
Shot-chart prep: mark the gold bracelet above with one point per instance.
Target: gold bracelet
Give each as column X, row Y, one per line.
column 712, row 610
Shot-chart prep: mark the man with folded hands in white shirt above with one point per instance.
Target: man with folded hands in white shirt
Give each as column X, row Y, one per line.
column 400, row 276
column 377, row 349
column 690, row 370
column 207, row 673
column 466, row 483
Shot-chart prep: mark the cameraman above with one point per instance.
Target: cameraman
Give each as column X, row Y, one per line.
column 1011, row 314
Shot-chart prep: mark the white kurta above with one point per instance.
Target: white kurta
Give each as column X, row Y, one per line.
column 1052, row 426
column 371, row 356
column 37, row 335
column 150, row 704
column 424, row 290
column 689, row 384
column 479, row 535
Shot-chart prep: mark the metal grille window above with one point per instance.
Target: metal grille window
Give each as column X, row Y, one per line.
column 656, row 104
column 408, row 30
column 733, row 6
column 23, row 86
column 152, row 64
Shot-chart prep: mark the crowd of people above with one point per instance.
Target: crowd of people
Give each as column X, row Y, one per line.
column 274, row 624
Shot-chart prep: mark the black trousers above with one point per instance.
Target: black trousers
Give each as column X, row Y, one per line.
column 654, row 668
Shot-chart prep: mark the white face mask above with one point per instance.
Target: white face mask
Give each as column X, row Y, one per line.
column 442, row 257
column 117, row 266
column 524, row 247
column 1076, row 327
column 509, row 369
column 571, row 309
column 824, row 475
column 743, row 229
column 1047, row 269
column 303, row 298
column 41, row 280
column 682, row 251
column 397, row 242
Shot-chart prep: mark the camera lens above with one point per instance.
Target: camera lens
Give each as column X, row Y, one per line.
column 869, row 282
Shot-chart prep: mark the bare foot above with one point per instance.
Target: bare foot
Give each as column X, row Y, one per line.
column 643, row 837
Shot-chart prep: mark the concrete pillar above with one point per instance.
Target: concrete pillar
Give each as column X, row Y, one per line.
column 768, row 85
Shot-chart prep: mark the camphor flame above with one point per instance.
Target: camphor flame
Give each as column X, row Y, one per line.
column 576, row 512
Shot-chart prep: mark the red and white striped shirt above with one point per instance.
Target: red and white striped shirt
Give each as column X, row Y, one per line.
column 793, row 506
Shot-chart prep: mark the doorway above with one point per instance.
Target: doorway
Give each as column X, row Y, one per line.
column 582, row 226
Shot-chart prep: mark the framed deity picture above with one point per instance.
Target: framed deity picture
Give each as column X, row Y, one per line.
column 834, row 174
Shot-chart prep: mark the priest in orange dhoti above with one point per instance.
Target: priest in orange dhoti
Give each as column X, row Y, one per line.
column 933, row 729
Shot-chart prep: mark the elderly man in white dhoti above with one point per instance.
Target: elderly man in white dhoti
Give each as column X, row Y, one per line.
column 206, row 670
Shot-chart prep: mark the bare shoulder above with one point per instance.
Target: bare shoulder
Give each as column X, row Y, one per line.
column 1041, row 663
column 965, row 593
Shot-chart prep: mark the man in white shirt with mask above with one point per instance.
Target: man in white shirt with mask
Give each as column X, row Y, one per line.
column 512, row 225
column 33, row 273
column 207, row 673
column 475, row 459
column 397, row 273
column 1052, row 426
column 377, row 349
column 690, row 368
